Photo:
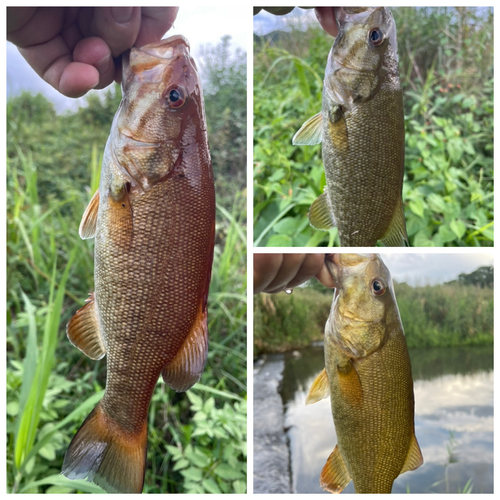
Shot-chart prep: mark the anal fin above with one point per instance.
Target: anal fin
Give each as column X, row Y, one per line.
column 320, row 214
column 83, row 331
column 414, row 459
column 320, row 389
column 187, row 366
column 334, row 476
column 395, row 235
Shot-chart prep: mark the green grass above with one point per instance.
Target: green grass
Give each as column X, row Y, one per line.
column 432, row 316
column 446, row 66
column 196, row 440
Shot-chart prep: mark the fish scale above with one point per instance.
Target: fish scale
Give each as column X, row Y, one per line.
column 362, row 131
column 368, row 378
column 153, row 219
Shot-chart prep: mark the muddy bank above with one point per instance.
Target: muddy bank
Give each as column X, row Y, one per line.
column 271, row 454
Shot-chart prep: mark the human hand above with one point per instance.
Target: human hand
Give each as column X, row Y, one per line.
column 325, row 16
column 273, row 273
column 72, row 48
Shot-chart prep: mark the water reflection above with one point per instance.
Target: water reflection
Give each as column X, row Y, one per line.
column 453, row 421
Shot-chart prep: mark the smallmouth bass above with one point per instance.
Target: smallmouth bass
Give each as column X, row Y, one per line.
column 153, row 219
column 361, row 127
column 368, row 377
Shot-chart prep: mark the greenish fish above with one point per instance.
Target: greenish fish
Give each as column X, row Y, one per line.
column 361, row 127
column 368, row 377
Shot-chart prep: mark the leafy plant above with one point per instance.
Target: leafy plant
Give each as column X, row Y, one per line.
column 53, row 165
column 446, row 66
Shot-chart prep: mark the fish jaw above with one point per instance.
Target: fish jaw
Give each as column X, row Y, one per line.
column 358, row 318
column 160, row 113
column 353, row 71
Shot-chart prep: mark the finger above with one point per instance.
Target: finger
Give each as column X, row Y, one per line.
column 96, row 53
column 117, row 26
column 43, row 25
column 265, row 268
column 77, row 79
column 325, row 276
column 51, row 61
column 17, row 17
column 326, row 17
column 311, row 266
column 155, row 22
column 287, row 272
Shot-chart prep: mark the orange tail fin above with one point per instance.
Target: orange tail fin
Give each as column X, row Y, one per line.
column 104, row 453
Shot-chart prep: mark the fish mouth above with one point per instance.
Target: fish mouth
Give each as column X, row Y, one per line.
column 166, row 49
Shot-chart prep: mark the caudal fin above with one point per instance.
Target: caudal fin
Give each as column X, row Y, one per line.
column 105, row 454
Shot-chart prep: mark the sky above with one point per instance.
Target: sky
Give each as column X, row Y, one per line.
column 264, row 22
column 418, row 269
column 200, row 25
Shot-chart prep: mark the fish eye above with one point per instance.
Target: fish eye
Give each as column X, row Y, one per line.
column 378, row 287
column 176, row 97
column 376, row 37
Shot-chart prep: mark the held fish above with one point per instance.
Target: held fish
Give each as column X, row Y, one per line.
column 361, row 127
column 368, row 377
column 153, row 219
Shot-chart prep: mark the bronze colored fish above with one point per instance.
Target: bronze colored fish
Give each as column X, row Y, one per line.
column 368, row 377
column 361, row 126
column 153, row 219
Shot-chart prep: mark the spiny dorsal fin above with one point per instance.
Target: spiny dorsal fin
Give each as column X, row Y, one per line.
column 89, row 218
column 414, row 459
column 320, row 389
column 310, row 133
column 334, row 476
column 187, row 366
column 396, row 235
column 320, row 214
column 84, row 333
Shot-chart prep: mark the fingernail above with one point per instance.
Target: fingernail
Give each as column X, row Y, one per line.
column 122, row 14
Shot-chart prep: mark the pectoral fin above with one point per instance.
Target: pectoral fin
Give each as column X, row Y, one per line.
column 350, row 384
column 334, row 476
column 320, row 389
column 414, row 459
column 89, row 219
column 310, row 133
column 187, row 366
column 396, row 234
column 320, row 214
column 121, row 216
column 83, row 331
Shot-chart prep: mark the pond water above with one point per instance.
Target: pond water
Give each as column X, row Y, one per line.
column 453, row 421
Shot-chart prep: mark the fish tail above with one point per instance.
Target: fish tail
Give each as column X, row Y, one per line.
column 103, row 452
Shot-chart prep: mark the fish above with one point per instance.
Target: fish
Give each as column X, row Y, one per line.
column 153, row 220
column 362, row 131
column 368, row 377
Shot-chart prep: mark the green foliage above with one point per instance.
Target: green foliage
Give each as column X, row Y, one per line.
column 446, row 66
column 445, row 315
column 52, row 169
column 439, row 315
column 283, row 322
column 224, row 73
